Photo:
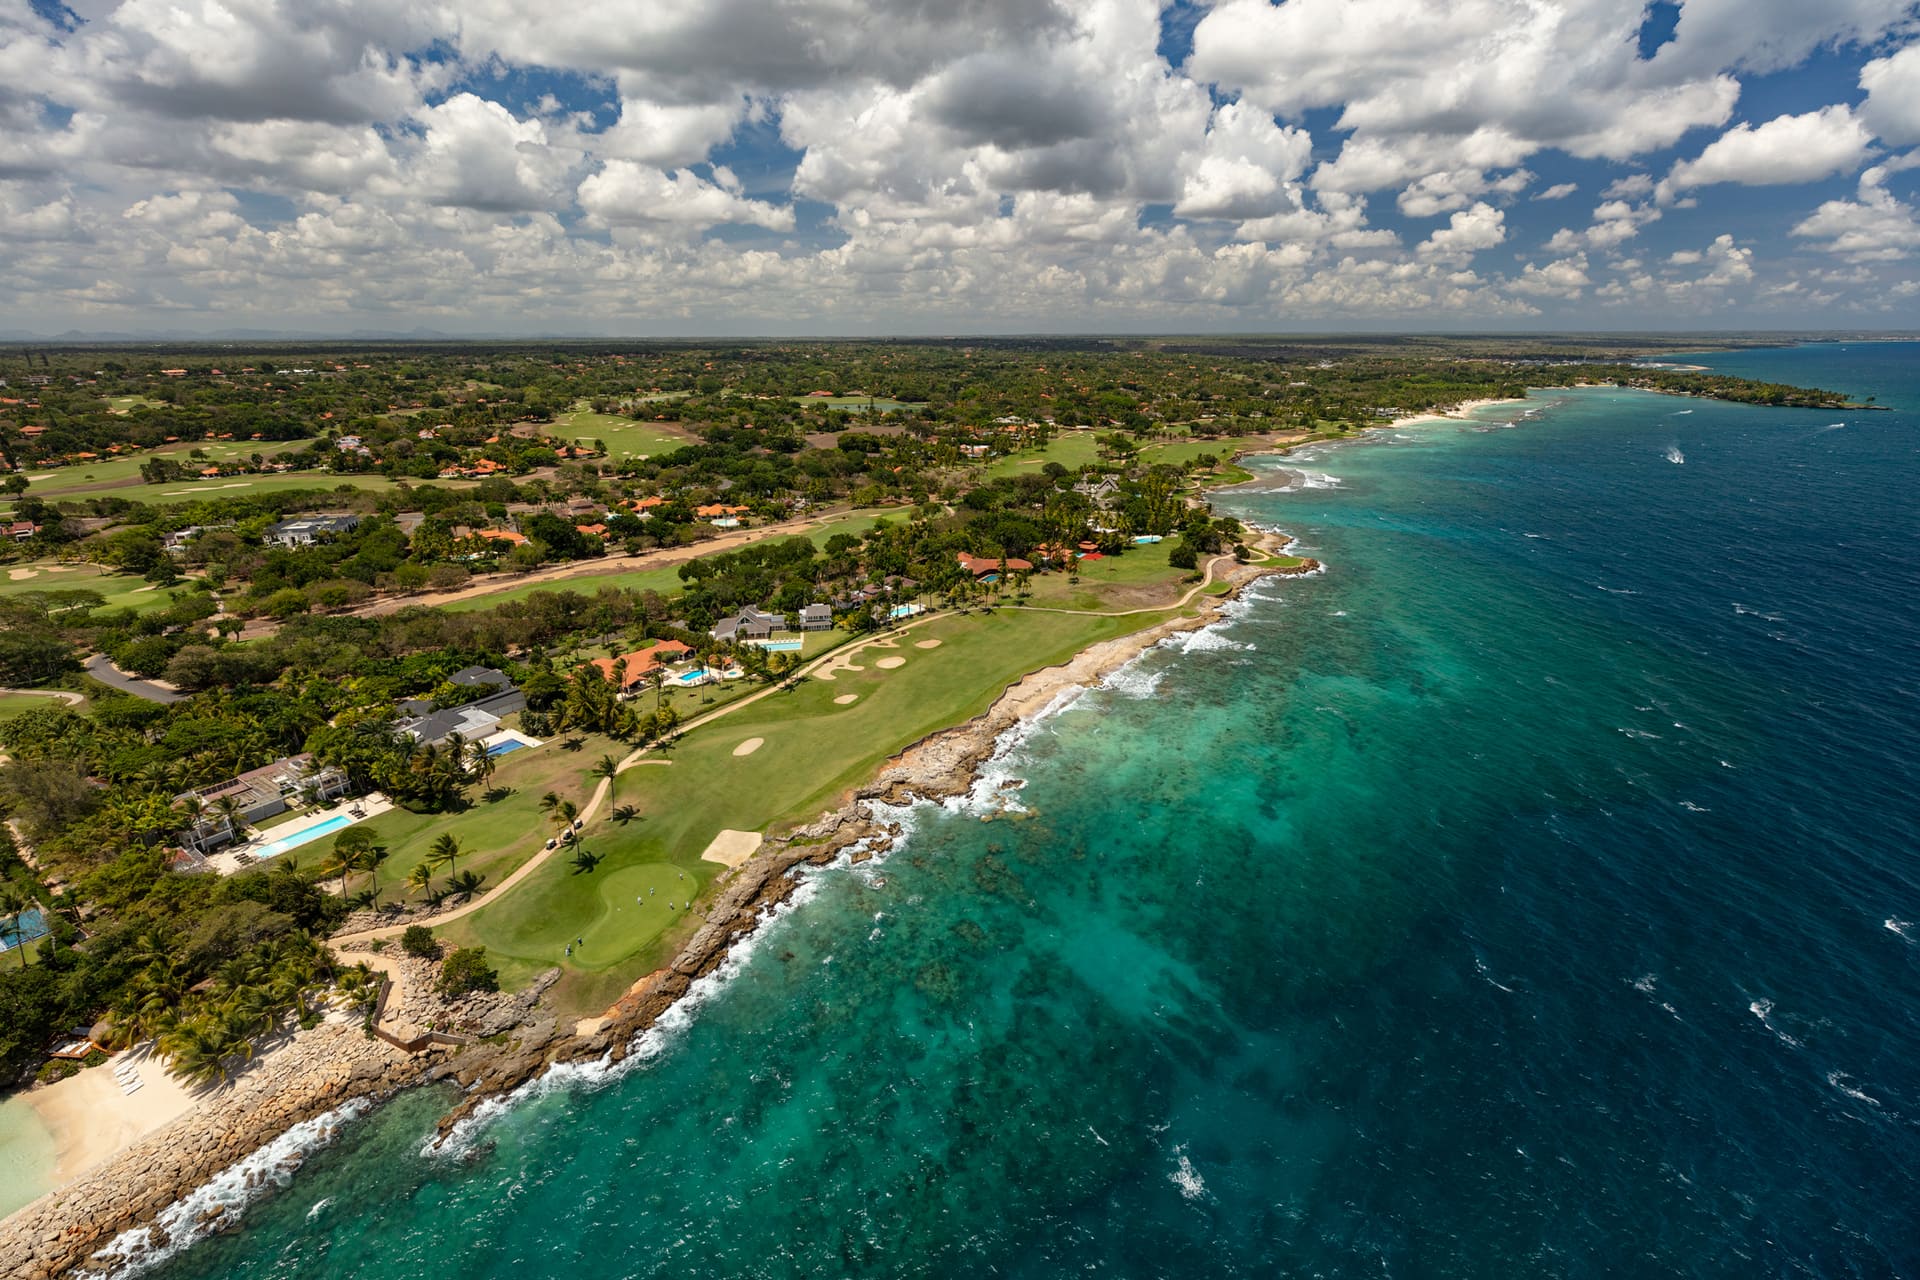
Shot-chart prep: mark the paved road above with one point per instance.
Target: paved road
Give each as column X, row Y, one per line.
column 106, row 673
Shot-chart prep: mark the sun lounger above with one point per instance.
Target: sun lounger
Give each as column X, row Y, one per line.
column 133, row 1088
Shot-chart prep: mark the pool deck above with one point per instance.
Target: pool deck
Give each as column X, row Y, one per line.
column 227, row 861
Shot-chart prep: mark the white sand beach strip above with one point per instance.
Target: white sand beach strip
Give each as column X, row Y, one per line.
column 731, row 848
column 93, row 1115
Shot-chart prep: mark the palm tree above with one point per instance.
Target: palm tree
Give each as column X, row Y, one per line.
column 421, row 877
column 564, row 813
column 606, row 768
column 338, row 862
column 228, row 807
column 465, row 885
column 549, row 802
column 445, row 851
column 12, row 903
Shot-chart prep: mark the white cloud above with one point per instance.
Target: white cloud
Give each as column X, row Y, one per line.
column 1467, row 233
column 624, row 193
column 1558, row 191
column 1874, row 227
column 1786, row 149
column 1892, row 108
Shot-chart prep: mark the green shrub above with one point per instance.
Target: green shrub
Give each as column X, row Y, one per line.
column 466, row 970
column 418, row 940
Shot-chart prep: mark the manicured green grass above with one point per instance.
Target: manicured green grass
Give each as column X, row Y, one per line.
column 114, row 474
column 126, row 404
column 666, row 580
column 624, row 437
column 814, row 750
column 12, row 704
column 1076, row 449
column 496, row 834
column 118, row 590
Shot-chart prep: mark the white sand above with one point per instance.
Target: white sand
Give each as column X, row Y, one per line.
column 926, row 644
column 888, row 664
column 91, row 1119
column 750, row 746
column 731, row 848
column 21, row 575
column 847, row 699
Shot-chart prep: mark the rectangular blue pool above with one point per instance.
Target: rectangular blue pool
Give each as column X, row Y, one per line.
column 501, row 748
column 308, row 836
column 29, row 926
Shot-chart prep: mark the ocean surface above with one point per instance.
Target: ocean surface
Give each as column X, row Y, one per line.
column 1536, row 893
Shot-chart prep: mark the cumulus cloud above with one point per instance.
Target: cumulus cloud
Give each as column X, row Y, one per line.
column 1892, row 108
column 1786, row 149
column 1873, row 227
column 1026, row 161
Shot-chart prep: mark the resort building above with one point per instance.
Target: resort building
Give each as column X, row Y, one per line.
column 631, row 670
column 749, row 624
column 433, row 730
column 306, row 530
column 255, row 796
column 816, row 617
column 981, row 566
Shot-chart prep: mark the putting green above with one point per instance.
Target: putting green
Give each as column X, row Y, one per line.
column 632, row 911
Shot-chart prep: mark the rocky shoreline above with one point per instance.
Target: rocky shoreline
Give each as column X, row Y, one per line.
column 338, row 1062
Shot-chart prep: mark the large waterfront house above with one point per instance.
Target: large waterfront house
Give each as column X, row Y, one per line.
column 749, row 624
column 225, row 810
column 306, row 530
column 632, row 670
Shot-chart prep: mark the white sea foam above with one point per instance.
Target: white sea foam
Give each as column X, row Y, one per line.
column 666, row 1030
column 319, row 1207
column 1838, row 1079
column 1683, row 413
column 223, row 1200
column 1646, row 982
column 1675, row 456
column 1691, row 807
column 1616, row 591
column 1763, row 1010
column 1210, row 640
column 1133, row 681
column 1741, row 610
column 1185, row 1177
column 1900, row 927
column 1480, row 967
column 1640, row 733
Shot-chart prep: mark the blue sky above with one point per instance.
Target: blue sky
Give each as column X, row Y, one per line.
column 864, row 166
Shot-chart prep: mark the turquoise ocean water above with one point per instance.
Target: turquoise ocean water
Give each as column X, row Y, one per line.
column 1530, row 895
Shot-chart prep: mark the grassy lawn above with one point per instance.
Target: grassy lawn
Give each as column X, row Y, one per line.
column 12, row 704
column 500, row 833
column 1076, row 449
column 814, row 749
column 624, row 437
column 127, row 404
column 102, row 474
column 665, row 579
column 118, row 590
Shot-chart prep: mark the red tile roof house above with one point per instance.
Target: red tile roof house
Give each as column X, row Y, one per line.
column 632, row 669
column 980, row 566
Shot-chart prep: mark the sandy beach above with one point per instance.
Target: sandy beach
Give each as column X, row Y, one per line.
column 1454, row 414
column 91, row 1120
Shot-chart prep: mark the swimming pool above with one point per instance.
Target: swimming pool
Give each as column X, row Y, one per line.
column 501, row 748
column 688, row 679
column 906, row 610
column 29, row 926
column 782, row 646
column 299, row 838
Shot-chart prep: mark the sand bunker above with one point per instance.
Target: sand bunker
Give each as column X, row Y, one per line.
column 750, row 746
column 847, row 699
column 21, row 575
column 731, row 848
column 926, row 644
column 888, row 664
column 843, row 663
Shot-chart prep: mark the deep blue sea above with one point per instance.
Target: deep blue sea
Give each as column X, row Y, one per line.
column 1536, row 893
